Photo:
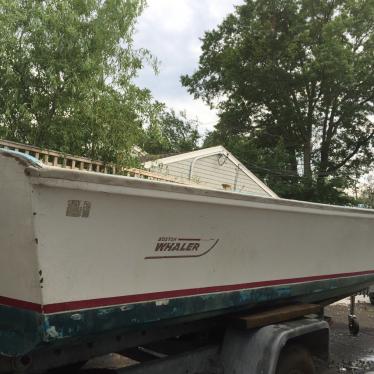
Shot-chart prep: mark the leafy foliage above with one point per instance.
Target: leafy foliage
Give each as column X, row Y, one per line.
column 171, row 133
column 294, row 83
column 66, row 76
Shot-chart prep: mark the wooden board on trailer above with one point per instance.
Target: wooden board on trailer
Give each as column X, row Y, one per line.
column 275, row 315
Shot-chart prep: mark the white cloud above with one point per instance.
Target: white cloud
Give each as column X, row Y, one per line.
column 167, row 15
column 195, row 109
column 171, row 29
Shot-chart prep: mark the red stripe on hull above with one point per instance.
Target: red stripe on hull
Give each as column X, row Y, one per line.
column 20, row 304
column 128, row 299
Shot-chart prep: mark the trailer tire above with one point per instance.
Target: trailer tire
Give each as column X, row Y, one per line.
column 295, row 359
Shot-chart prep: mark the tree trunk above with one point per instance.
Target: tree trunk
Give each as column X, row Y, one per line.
column 293, row 160
column 308, row 159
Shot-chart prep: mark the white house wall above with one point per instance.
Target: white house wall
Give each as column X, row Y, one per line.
column 247, row 185
column 209, row 171
column 212, row 171
column 178, row 169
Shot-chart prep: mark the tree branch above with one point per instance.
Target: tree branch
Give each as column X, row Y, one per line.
column 353, row 153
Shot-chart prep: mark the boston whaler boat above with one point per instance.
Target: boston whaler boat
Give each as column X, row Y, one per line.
column 83, row 253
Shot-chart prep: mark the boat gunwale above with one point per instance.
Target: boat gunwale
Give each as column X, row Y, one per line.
column 161, row 186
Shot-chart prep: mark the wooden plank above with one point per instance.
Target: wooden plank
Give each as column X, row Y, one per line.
column 275, row 315
column 79, row 162
column 29, row 148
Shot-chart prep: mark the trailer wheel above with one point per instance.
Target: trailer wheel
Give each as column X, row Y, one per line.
column 353, row 325
column 295, row 360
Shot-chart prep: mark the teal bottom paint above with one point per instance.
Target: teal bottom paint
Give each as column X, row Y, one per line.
column 22, row 331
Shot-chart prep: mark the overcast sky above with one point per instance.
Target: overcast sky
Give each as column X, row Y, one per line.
column 171, row 29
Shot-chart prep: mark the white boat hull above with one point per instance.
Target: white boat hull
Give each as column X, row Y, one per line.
column 77, row 243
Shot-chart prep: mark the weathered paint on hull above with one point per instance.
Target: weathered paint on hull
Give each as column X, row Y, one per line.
column 27, row 330
column 82, row 253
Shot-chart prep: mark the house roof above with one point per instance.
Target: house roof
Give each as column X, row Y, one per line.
column 201, row 153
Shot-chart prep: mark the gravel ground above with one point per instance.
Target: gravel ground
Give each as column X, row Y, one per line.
column 348, row 354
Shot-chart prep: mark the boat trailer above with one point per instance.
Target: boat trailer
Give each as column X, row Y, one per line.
column 272, row 341
column 272, row 349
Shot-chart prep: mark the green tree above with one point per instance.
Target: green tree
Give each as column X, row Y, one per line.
column 171, row 133
column 66, row 76
column 295, row 76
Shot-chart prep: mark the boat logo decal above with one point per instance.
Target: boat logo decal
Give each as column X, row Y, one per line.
column 78, row 208
column 173, row 247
